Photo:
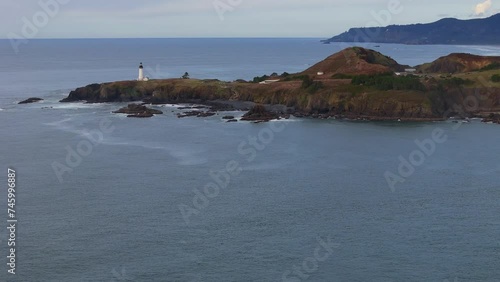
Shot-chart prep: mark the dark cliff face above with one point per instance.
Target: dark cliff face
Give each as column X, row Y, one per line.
column 125, row 91
column 89, row 93
column 445, row 31
column 154, row 91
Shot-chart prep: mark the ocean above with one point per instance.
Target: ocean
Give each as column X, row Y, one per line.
column 101, row 197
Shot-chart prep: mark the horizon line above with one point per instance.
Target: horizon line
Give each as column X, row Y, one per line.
column 180, row 37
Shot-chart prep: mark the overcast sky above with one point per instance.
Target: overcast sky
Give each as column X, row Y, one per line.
column 225, row 18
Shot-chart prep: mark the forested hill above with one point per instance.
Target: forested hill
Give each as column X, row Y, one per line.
column 445, row 31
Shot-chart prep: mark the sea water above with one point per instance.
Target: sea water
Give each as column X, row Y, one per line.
column 198, row 199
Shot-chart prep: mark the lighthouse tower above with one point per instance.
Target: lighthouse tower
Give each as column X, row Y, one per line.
column 141, row 73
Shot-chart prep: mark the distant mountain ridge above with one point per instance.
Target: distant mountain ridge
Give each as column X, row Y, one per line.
column 445, row 31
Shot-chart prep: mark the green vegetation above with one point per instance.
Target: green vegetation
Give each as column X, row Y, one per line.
column 185, row 76
column 295, row 77
column 258, row 79
column 342, row 76
column 455, row 82
column 495, row 78
column 492, row 66
column 306, row 82
column 389, row 82
column 310, row 85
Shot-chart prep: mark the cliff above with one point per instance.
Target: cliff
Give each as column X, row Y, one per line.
column 364, row 88
column 445, row 31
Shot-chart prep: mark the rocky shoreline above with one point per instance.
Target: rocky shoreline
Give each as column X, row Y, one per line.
column 492, row 118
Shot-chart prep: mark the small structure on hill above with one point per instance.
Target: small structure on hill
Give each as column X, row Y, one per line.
column 406, row 72
column 269, row 81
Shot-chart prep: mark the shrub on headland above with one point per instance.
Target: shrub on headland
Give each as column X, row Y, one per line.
column 310, row 85
column 341, row 76
column 455, row 82
column 389, row 81
column 492, row 66
column 258, row 79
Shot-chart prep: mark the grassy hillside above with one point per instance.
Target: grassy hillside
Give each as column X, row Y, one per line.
column 460, row 63
column 354, row 61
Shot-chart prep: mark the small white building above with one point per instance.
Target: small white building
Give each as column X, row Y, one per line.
column 269, row 81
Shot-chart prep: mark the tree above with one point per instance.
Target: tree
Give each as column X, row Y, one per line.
column 185, row 76
column 258, row 79
column 306, row 82
column 311, row 85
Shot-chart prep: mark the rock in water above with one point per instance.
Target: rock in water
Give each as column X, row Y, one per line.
column 31, row 100
column 259, row 114
column 138, row 111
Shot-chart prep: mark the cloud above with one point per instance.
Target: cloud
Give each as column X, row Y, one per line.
column 199, row 18
column 482, row 8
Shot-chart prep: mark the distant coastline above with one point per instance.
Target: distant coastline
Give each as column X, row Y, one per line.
column 448, row 31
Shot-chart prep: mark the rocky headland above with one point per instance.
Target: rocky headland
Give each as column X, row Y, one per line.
column 355, row 83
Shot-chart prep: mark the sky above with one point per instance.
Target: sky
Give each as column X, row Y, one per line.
column 220, row 18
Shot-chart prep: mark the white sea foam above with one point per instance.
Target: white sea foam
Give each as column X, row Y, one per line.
column 59, row 122
column 71, row 106
column 184, row 156
column 66, row 126
column 291, row 119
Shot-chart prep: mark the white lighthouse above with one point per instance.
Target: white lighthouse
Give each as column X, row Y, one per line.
column 141, row 73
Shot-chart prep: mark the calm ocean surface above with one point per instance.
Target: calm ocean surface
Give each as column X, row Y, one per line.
column 116, row 215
